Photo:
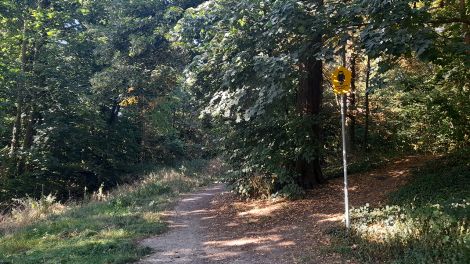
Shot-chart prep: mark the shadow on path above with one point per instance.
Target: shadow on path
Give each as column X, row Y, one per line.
column 214, row 226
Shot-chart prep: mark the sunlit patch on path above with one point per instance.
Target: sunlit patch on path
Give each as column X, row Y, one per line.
column 214, row 226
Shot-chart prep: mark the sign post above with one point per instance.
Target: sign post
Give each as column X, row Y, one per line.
column 341, row 79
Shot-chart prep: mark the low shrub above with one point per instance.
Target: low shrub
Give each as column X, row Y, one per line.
column 432, row 233
column 426, row 221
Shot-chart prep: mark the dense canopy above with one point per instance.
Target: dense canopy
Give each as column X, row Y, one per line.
column 111, row 108
column 91, row 91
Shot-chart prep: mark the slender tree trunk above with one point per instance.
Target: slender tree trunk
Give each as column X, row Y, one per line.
column 114, row 112
column 366, row 127
column 28, row 123
column 16, row 131
column 143, row 142
column 465, row 28
column 344, row 61
column 26, row 115
column 352, row 104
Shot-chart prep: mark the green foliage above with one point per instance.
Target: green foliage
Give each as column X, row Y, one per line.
column 445, row 179
column 292, row 191
column 427, row 221
column 426, row 111
column 88, row 92
column 247, row 63
column 429, row 233
column 245, row 73
column 360, row 162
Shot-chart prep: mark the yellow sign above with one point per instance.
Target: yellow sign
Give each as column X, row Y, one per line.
column 341, row 79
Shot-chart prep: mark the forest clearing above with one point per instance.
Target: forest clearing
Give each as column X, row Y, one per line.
column 234, row 131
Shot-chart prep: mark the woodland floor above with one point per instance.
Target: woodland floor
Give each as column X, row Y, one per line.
column 214, row 226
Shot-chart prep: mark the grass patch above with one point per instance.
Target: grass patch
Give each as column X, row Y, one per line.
column 426, row 221
column 103, row 231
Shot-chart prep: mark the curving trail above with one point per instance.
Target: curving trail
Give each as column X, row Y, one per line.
column 191, row 236
column 214, row 226
column 184, row 243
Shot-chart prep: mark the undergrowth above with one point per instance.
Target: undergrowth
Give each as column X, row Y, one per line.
column 262, row 186
column 360, row 162
column 426, row 221
column 102, row 230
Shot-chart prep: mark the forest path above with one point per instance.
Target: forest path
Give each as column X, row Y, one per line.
column 215, row 226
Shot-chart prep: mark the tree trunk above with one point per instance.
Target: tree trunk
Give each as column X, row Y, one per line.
column 114, row 112
column 16, row 131
column 30, row 121
column 465, row 28
column 28, row 124
column 366, row 127
column 143, row 124
column 309, row 100
column 30, row 115
column 352, row 104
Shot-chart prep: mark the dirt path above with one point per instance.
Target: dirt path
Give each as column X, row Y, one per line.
column 184, row 243
column 214, row 226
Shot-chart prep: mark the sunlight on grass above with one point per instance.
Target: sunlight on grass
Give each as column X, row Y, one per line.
column 426, row 221
column 103, row 230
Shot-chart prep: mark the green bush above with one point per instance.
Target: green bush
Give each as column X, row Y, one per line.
column 427, row 221
column 432, row 233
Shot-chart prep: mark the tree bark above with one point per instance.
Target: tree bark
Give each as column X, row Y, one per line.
column 465, row 28
column 366, row 127
column 114, row 112
column 352, row 104
column 28, row 123
column 143, row 124
column 16, row 131
column 309, row 100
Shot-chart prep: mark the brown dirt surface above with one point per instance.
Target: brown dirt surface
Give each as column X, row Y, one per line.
column 215, row 226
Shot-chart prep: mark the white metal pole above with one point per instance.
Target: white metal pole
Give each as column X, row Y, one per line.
column 345, row 161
